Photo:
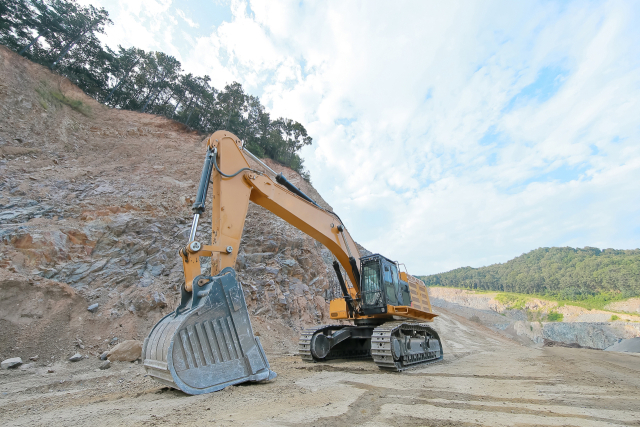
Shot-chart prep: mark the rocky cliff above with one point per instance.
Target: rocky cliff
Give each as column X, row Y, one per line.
column 95, row 202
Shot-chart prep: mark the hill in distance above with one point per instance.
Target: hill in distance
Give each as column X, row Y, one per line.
column 563, row 273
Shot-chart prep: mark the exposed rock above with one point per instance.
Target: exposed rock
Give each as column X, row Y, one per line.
column 93, row 307
column 580, row 327
column 127, row 351
column 14, row 362
column 76, row 358
column 104, row 355
column 631, row 305
column 631, row 345
column 105, row 365
column 33, row 358
column 98, row 224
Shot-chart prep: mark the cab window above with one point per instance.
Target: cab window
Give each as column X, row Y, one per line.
column 391, row 285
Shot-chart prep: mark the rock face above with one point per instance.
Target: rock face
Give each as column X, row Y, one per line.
column 14, row 362
column 631, row 305
column 598, row 335
column 93, row 209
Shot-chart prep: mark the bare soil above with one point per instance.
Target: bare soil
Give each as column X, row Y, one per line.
column 484, row 379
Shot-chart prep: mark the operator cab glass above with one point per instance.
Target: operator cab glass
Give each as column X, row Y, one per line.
column 381, row 285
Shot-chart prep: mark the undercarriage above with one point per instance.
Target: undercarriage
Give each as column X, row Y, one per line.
column 394, row 346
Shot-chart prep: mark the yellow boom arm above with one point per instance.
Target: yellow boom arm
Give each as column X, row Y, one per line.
column 230, row 201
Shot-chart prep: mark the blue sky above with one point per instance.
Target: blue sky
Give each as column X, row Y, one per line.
column 446, row 134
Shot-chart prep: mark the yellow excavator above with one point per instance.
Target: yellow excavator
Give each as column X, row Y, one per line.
column 208, row 343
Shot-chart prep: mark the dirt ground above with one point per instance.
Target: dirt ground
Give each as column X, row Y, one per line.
column 485, row 379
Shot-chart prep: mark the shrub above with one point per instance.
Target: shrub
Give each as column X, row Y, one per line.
column 555, row 317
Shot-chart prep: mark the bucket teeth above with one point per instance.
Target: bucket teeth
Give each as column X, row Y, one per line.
column 207, row 344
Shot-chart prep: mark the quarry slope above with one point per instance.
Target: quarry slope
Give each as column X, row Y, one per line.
column 94, row 204
column 581, row 327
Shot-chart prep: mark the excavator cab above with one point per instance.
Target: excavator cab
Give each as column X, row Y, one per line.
column 381, row 285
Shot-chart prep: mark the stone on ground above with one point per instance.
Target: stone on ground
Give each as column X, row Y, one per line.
column 11, row 363
column 75, row 358
column 127, row 351
column 105, row 365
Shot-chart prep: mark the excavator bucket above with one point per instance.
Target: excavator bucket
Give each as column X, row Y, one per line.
column 207, row 344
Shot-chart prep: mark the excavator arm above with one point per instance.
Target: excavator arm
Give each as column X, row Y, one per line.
column 233, row 185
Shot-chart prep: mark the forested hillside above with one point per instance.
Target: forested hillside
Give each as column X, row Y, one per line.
column 565, row 273
column 62, row 35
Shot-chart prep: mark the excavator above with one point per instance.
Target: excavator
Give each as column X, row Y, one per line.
column 208, row 343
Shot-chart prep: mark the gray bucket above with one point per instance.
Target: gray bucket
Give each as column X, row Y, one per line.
column 207, row 344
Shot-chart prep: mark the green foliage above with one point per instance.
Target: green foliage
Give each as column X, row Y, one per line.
column 512, row 301
column 555, row 317
column 588, row 277
column 75, row 104
column 50, row 96
column 614, row 318
column 62, row 35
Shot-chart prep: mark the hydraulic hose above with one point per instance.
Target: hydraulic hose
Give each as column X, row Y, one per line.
column 215, row 163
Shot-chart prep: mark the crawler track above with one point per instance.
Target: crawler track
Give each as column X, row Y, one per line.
column 382, row 346
column 345, row 350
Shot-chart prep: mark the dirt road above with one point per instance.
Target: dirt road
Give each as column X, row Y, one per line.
column 485, row 379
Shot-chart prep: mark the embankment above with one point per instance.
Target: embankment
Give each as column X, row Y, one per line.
column 530, row 323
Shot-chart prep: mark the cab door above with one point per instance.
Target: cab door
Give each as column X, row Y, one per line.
column 373, row 287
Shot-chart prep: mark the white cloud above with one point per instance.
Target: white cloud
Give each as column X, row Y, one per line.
column 418, row 142
column 186, row 19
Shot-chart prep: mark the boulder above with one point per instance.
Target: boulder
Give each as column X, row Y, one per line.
column 14, row 362
column 127, row 351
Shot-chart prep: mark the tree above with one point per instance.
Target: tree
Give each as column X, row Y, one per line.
column 566, row 273
column 16, row 22
column 158, row 73
column 82, row 23
column 122, row 65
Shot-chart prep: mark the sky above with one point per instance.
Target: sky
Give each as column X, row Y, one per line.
column 445, row 134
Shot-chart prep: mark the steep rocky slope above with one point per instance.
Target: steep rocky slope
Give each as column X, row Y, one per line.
column 94, row 203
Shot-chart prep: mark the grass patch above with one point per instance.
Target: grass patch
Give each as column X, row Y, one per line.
column 614, row 318
column 554, row 316
column 52, row 96
column 512, row 301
